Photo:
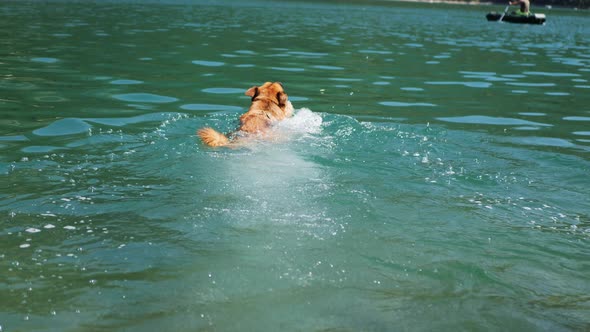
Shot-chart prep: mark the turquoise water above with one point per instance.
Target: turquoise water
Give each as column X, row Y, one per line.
column 434, row 176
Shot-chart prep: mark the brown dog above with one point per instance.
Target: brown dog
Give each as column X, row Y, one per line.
column 270, row 104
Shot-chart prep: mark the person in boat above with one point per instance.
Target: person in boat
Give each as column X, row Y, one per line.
column 525, row 6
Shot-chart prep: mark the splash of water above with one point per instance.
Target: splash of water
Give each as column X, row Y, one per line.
column 303, row 121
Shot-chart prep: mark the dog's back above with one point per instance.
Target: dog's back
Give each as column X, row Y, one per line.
column 269, row 104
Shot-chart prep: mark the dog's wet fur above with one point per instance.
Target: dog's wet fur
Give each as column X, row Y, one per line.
column 270, row 104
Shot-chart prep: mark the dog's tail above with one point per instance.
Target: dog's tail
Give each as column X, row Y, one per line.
column 212, row 137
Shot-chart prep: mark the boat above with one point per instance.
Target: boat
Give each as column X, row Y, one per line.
column 517, row 18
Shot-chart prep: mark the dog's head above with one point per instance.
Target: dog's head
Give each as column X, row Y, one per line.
column 271, row 91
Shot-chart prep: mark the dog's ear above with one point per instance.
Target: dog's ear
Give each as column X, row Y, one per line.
column 282, row 98
column 252, row 92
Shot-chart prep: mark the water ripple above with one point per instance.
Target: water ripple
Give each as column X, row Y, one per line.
column 145, row 98
column 308, row 54
column 16, row 138
column 489, row 120
column 50, row 98
column 402, row 104
column 61, row 127
column 532, row 114
column 210, row 107
column 343, row 79
column 375, row 52
column 543, row 141
column 531, row 84
column 328, row 67
column 478, row 73
column 208, row 63
column 467, row 84
column 125, row 82
column 223, row 90
column 246, row 52
column 120, row 122
column 40, row 149
column 291, row 69
column 577, row 118
column 541, row 73
column 45, row 60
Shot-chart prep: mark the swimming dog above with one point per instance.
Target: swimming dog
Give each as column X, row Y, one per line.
column 270, row 104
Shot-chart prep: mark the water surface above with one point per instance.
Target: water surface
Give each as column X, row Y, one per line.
column 434, row 176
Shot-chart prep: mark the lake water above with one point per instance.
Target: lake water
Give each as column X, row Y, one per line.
column 434, row 177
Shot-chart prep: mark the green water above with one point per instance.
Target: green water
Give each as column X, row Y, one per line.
column 434, row 177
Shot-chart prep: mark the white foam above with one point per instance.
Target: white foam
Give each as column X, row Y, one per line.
column 303, row 121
